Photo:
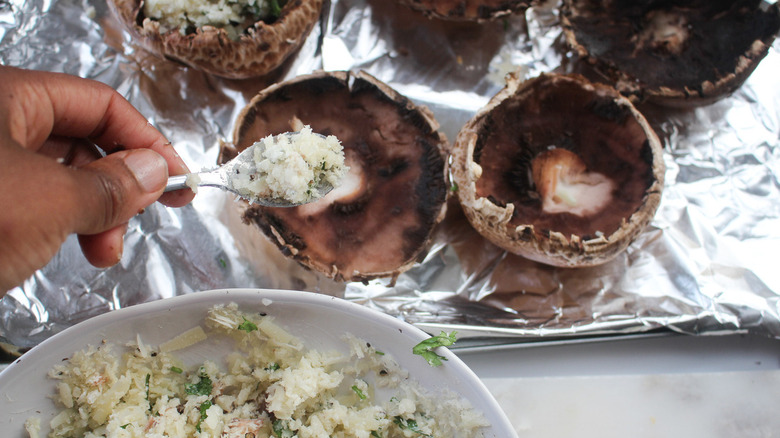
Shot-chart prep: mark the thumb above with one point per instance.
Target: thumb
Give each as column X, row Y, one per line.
column 115, row 188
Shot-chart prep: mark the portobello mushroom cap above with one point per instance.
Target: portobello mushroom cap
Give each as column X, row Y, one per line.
column 380, row 220
column 558, row 170
column 680, row 53
column 263, row 47
column 467, row 10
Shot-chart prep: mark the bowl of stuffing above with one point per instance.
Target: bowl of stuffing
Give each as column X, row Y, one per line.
column 246, row 363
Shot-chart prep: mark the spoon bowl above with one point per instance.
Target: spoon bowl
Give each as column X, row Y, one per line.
column 226, row 176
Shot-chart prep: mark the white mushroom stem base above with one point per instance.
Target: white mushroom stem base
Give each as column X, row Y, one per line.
column 665, row 30
column 565, row 185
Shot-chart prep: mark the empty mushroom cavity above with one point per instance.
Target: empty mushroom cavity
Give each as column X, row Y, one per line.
column 378, row 222
column 559, row 170
column 676, row 53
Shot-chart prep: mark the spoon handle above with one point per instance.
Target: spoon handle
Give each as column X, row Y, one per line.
column 211, row 178
column 176, row 182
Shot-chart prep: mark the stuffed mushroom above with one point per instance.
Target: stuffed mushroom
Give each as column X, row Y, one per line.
column 559, row 170
column 380, row 220
column 232, row 39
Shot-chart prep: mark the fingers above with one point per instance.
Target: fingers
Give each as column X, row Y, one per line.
column 104, row 249
column 77, row 152
column 70, row 151
column 178, row 198
column 40, row 104
column 49, row 119
column 88, row 109
column 44, row 202
column 109, row 191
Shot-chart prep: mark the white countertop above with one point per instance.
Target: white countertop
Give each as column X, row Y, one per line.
column 674, row 386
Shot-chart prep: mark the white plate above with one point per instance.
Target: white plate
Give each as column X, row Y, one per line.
column 319, row 320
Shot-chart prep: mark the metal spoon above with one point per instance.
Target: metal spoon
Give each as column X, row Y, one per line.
column 221, row 178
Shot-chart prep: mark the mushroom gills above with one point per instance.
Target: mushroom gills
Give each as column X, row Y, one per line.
column 676, row 53
column 569, row 171
column 379, row 221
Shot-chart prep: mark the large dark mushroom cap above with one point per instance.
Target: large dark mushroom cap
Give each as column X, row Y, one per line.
column 260, row 50
column 467, row 10
column 676, row 53
column 379, row 222
column 613, row 187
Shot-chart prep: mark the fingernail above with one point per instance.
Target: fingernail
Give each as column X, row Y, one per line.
column 149, row 168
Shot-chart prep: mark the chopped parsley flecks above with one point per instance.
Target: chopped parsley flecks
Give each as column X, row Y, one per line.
column 276, row 9
column 203, row 415
column 409, row 424
column 146, row 385
column 359, row 393
column 202, row 387
column 247, row 325
column 281, row 430
column 426, row 347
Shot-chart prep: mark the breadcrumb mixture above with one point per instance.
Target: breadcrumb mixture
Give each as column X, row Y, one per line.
column 291, row 167
column 270, row 386
column 231, row 15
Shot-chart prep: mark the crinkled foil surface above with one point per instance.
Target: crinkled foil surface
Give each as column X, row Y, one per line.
column 706, row 265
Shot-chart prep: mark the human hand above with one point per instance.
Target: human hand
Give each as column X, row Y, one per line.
column 53, row 181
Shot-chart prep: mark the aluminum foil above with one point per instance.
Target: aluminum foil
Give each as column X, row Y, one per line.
column 705, row 265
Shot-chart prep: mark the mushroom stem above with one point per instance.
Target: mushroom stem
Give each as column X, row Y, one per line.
column 565, row 185
column 664, row 31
